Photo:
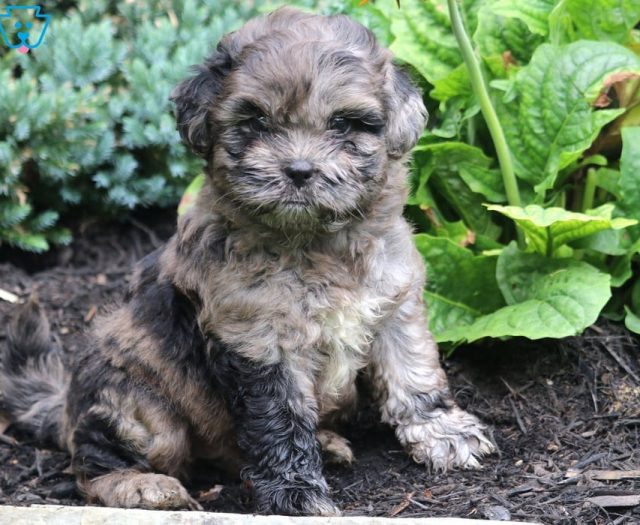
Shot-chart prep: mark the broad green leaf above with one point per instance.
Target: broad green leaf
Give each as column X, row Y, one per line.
column 449, row 119
column 620, row 268
column 460, row 174
column 534, row 13
column 453, row 114
column 460, row 285
column 609, row 242
column 609, row 180
column 545, row 297
column 423, row 36
column 455, row 84
column 629, row 183
column 455, row 231
column 472, row 164
column 508, row 38
column 635, row 295
column 552, row 121
column 607, row 20
column 631, row 320
column 546, row 229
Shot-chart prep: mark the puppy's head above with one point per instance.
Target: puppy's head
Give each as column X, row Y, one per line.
column 298, row 117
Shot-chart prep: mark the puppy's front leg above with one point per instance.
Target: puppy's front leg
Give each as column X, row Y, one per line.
column 414, row 395
column 276, row 430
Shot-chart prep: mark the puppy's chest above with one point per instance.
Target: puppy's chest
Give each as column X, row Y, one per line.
column 326, row 311
column 347, row 322
column 320, row 318
column 346, row 319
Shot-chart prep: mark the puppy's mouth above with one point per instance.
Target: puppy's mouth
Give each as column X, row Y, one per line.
column 296, row 203
column 295, row 209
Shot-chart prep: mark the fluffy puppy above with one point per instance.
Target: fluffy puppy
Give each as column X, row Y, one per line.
column 240, row 340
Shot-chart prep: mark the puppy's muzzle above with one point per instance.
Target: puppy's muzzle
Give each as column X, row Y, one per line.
column 300, row 172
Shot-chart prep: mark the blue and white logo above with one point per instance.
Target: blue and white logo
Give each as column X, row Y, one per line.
column 23, row 27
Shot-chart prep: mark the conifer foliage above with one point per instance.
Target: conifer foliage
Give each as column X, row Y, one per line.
column 86, row 125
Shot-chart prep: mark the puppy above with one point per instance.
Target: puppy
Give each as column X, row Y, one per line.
column 240, row 340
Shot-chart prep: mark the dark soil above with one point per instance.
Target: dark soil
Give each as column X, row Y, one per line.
column 565, row 415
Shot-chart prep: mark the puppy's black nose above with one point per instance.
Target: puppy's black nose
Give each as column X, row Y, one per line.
column 299, row 171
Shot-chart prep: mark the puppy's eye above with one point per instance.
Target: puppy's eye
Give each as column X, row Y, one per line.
column 258, row 124
column 340, row 124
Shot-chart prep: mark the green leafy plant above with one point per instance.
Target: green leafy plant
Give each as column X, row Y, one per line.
column 526, row 187
column 86, row 126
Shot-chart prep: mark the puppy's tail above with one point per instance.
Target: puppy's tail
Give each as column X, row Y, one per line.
column 33, row 381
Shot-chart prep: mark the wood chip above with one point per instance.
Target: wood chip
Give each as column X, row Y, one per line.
column 8, row 296
column 212, row 494
column 615, row 501
column 522, row 489
column 612, row 475
column 402, row 505
column 91, row 314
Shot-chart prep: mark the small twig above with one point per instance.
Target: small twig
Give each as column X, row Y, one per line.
column 519, row 490
column 621, row 362
column 417, row 503
column 589, row 460
column 621, row 519
column 8, row 440
column 521, row 425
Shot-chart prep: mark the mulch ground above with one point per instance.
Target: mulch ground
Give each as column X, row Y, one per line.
column 565, row 415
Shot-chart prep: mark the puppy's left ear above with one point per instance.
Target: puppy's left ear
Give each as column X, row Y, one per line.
column 406, row 114
column 194, row 99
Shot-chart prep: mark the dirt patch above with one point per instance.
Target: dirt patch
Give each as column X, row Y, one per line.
column 566, row 416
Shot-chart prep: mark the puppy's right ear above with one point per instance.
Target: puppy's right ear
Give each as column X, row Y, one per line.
column 194, row 99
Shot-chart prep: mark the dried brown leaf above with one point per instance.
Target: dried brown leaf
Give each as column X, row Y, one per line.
column 402, row 505
column 206, row 496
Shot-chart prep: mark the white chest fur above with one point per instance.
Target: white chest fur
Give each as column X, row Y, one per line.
column 347, row 331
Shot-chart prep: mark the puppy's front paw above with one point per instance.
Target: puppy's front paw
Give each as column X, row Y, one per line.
column 453, row 438
column 283, row 498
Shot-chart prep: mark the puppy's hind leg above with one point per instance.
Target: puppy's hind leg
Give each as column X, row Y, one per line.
column 145, row 490
column 127, row 452
column 335, row 447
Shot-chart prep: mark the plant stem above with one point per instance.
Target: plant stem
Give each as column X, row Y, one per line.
column 589, row 190
column 471, row 130
column 488, row 111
